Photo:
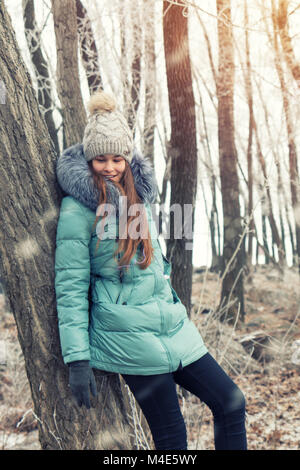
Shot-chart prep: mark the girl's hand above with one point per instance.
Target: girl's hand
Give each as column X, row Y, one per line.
column 81, row 379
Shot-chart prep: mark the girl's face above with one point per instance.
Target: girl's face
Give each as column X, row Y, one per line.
column 110, row 166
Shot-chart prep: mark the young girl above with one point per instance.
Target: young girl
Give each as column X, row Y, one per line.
column 117, row 310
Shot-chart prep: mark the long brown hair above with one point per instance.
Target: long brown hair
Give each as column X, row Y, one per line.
column 128, row 244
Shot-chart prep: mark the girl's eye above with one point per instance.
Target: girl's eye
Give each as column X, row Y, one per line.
column 116, row 159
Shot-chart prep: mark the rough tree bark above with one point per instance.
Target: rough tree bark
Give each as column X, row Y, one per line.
column 183, row 146
column 29, row 203
column 68, row 85
column 232, row 295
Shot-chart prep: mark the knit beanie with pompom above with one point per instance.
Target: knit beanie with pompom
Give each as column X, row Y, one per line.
column 107, row 131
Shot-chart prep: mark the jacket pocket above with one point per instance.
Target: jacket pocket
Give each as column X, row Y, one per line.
column 175, row 329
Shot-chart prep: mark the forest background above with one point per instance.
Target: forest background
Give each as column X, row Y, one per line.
column 211, row 90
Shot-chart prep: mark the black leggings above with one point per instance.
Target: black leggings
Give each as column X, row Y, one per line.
column 157, row 397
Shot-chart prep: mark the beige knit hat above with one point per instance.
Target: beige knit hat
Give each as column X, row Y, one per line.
column 107, row 130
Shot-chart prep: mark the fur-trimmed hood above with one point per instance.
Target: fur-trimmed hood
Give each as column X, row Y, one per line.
column 75, row 178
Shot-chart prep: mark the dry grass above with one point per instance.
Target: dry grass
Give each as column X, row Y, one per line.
column 18, row 428
column 269, row 384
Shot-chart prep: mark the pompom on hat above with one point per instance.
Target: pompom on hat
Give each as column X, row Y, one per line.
column 107, row 131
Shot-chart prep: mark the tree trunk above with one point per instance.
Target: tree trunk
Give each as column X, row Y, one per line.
column 131, row 40
column 232, row 296
column 124, row 57
column 216, row 264
column 68, row 85
column 40, row 67
column 249, row 93
column 29, row 207
column 165, row 144
column 183, row 147
column 280, row 19
column 286, row 41
column 265, row 241
column 213, row 217
column 281, row 188
column 150, row 79
column 292, row 241
column 88, row 49
column 268, row 203
column 135, row 65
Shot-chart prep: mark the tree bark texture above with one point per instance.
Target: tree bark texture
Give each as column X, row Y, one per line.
column 232, row 296
column 29, row 207
column 68, row 85
column 183, row 146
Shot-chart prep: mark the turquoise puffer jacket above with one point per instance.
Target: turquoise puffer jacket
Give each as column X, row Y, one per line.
column 132, row 323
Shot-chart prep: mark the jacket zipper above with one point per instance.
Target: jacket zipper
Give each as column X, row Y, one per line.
column 120, row 270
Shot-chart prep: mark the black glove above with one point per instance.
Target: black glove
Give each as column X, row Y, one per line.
column 81, row 378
